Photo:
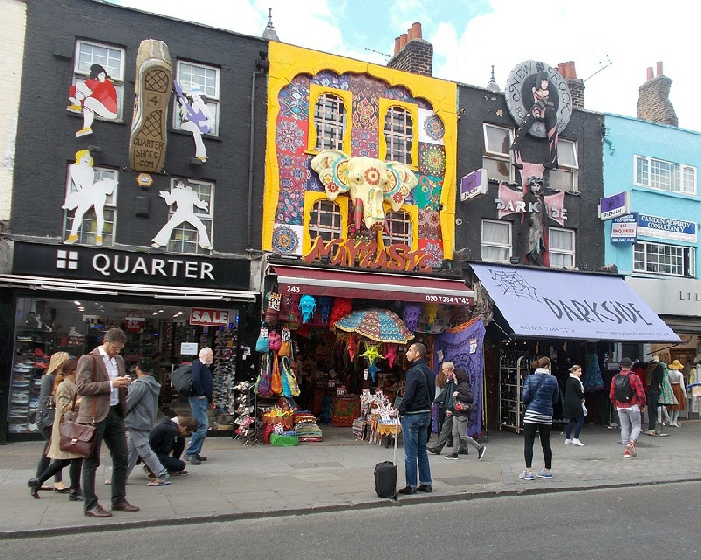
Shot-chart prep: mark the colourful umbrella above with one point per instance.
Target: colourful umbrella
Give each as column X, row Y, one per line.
column 376, row 324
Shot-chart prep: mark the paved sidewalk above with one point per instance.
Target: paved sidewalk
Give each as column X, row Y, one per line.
column 241, row 482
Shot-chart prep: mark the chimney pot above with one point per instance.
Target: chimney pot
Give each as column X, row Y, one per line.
column 561, row 69
column 650, row 75
column 570, row 71
column 402, row 41
column 660, row 72
column 416, row 31
column 397, row 48
column 409, row 34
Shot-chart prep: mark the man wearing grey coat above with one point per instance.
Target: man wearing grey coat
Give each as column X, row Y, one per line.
column 142, row 405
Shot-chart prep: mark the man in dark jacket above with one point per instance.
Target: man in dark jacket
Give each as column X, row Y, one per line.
column 167, row 440
column 202, row 398
column 415, row 412
column 445, row 404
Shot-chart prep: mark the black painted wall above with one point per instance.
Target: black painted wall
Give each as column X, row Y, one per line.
column 585, row 127
column 46, row 141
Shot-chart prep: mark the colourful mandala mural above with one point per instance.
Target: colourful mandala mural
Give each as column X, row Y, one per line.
column 364, row 143
column 294, row 99
column 428, row 192
column 290, row 137
column 286, row 240
column 434, row 127
column 432, row 159
column 290, row 206
column 429, row 224
column 435, row 251
column 331, row 79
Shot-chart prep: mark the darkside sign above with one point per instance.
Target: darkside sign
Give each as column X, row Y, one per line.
column 109, row 265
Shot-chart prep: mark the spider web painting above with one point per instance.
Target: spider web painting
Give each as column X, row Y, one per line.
column 514, row 283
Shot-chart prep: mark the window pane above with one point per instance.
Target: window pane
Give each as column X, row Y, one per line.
column 330, row 122
column 642, row 170
column 399, row 226
column 562, row 180
column 325, row 220
column 496, row 241
column 566, row 153
column 497, row 169
column 497, row 139
column 399, row 135
column 189, row 236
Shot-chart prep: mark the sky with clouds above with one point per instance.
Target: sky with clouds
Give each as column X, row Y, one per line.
column 612, row 42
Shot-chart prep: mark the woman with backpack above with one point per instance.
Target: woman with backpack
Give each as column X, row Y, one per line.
column 628, row 396
column 540, row 393
column 462, row 405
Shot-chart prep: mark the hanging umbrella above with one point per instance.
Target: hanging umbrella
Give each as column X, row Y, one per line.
column 376, row 324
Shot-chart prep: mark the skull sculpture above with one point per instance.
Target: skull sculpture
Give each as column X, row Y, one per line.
column 308, row 305
column 324, row 303
column 411, row 316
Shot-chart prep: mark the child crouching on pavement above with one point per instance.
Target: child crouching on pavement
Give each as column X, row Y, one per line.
column 167, row 440
column 142, row 406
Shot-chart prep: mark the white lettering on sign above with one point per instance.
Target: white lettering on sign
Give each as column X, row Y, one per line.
column 208, row 317
column 131, row 264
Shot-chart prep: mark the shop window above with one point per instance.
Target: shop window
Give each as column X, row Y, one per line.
column 206, row 78
column 665, row 176
column 398, row 228
column 330, row 123
column 496, row 241
column 110, row 58
column 324, row 218
column 186, row 236
column 89, row 229
column 496, row 158
column 561, row 248
column 565, row 178
column 659, row 258
column 398, row 141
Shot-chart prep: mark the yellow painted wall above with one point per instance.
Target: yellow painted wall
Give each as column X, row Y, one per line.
column 287, row 61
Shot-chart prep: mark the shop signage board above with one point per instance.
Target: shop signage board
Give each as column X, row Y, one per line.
column 98, row 263
column 614, row 206
column 624, row 229
column 189, row 348
column 667, row 228
column 558, row 304
column 473, row 184
column 209, row 317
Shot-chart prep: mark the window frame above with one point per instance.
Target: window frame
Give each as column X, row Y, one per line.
column 212, row 100
column 117, row 81
column 563, row 168
column 410, row 210
column 90, row 217
column 207, row 217
column 678, row 171
column 562, row 251
column 316, row 91
column 311, row 198
column 384, row 107
column 687, row 254
column 488, row 244
column 500, row 157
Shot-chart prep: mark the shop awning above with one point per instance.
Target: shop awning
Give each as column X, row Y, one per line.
column 372, row 285
column 564, row 304
column 95, row 287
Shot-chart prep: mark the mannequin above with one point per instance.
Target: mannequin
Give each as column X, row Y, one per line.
column 676, row 379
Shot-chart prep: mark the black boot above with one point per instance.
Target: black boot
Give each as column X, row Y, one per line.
column 34, row 486
column 75, row 495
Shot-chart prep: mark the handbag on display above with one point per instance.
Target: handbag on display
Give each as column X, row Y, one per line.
column 263, row 344
column 262, row 386
column 272, row 313
column 276, row 378
column 274, row 341
column 286, row 344
column 289, row 374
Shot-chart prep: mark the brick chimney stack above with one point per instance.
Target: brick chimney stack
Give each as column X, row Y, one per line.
column 568, row 71
column 412, row 53
column 653, row 99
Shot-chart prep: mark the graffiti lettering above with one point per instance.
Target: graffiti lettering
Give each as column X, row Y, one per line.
column 596, row 312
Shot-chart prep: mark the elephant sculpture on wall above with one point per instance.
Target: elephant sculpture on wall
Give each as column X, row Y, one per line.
column 370, row 182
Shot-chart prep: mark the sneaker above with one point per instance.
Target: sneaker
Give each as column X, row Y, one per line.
column 192, row 460
column 575, row 441
column 163, row 476
column 452, row 456
column 568, row 441
column 481, row 452
column 626, row 454
column 434, row 450
column 632, row 449
column 159, row 482
column 545, row 474
column 149, row 122
column 525, row 475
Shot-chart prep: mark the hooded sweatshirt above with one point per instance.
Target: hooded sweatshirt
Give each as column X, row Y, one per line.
column 142, row 403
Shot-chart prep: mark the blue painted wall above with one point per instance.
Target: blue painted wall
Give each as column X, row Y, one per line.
column 626, row 137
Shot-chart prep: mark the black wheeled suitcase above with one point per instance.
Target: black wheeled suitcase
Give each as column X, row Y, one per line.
column 386, row 475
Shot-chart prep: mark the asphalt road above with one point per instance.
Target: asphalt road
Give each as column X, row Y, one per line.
column 658, row 521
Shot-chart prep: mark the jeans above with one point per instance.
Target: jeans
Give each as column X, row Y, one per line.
column 415, row 429
column 138, row 445
column 199, row 411
column 172, row 461
column 629, row 417
column 577, row 422
column 529, row 431
column 652, row 397
column 111, row 430
column 460, row 434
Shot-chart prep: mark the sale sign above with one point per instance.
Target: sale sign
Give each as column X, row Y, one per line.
column 209, row 317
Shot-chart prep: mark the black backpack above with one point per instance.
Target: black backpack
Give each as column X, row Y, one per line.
column 181, row 379
column 622, row 389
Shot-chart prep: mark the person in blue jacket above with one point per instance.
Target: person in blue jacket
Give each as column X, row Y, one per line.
column 201, row 399
column 540, row 392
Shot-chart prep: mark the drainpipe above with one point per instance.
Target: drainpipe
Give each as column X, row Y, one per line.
column 249, row 224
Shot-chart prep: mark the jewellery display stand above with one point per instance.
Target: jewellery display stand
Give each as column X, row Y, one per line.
column 512, row 370
column 245, row 419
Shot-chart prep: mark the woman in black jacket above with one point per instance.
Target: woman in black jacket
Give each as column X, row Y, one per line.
column 463, row 395
column 572, row 406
